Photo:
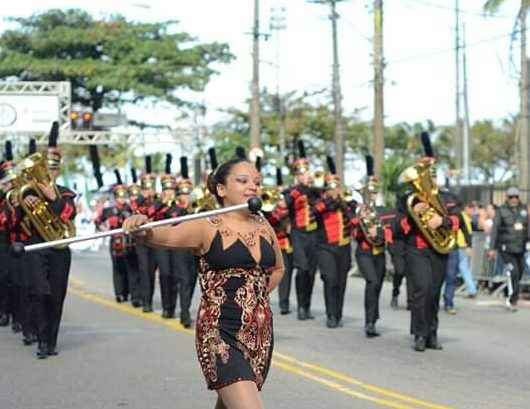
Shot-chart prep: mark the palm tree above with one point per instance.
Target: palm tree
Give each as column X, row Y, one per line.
column 492, row 6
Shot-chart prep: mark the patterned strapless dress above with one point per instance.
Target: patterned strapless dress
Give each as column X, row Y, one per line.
column 234, row 337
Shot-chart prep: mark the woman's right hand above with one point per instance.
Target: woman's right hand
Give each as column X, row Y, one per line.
column 132, row 223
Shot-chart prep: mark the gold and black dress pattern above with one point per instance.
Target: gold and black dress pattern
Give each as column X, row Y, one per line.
column 234, row 337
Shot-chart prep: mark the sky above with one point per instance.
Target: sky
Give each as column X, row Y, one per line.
column 418, row 48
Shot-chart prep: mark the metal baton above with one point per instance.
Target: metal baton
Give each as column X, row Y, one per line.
column 18, row 249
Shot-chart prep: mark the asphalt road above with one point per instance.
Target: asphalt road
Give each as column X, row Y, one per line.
column 115, row 356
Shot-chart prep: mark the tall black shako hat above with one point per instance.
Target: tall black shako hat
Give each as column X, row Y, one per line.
column 96, row 165
column 168, row 181
column 119, row 189
column 301, row 164
column 331, row 180
column 148, row 179
column 184, row 183
column 54, row 154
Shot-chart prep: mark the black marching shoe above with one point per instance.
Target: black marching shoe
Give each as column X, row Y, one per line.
column 52, row 349
column 332, row 322
column 301, row 314
column 394, row 302
column 42, row 350
column 4, row 320
column 185, row 319
column 308, row 314
column 370, row 331
column 29, row 339
column 136, row 303
column 120, row 299
column 285, row 310
column 168, row 314
column 147, row 308
column 432, row 343
column 419, row 343
column 16, row 327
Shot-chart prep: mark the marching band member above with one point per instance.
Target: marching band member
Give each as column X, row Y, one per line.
column 334, row 249
column 112, row 217
column 146, row 256
column 370, row 253
column 300, row 200
column 279, row 220
column 48, row 270
column 240, row 264
column 166, row 207
column 427, row 245
column 5, row 284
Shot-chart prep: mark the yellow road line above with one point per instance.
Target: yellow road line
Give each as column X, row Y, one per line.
column 348, row 379
column 338, row 387
column 285, row 362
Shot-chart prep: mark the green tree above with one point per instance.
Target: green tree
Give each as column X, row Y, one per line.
column 109, row 61
column 494, row 150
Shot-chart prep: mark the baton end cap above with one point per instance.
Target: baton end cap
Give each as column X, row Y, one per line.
column 17, row 249
column 254, row 204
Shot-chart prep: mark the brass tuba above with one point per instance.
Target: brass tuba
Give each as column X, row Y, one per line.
column 420, row 177
column 32, row 171
column 202, row 200
column 270, row 196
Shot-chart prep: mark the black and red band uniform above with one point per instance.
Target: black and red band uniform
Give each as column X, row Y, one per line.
column 426, row 267
column 279, row 220
column 370, row 258
column 396, row 248
column 334, row 252
column 113, row 217
column 47, row 270
column 300, row 201
column 146, row 255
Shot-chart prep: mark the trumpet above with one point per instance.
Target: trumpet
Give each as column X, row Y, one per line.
column 367, row 214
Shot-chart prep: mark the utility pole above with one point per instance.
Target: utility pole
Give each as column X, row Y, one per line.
column 255, row 131
column 524, row 139
column 379, row 120
column 337, row 96
column 336, row 90
column 277, row 24
column 467, row 128
column 458, row 124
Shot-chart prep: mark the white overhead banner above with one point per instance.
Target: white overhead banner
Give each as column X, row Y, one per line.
column 28, row 113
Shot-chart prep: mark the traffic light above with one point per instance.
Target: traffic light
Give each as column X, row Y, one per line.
column 74, row 119
column 81, row 120
column 87, row 120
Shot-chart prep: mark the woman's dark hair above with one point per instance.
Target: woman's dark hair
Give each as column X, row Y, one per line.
column 219, row 175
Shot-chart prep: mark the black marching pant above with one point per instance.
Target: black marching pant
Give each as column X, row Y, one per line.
column 305, row 262
column 397, row 251
column 147, row 267
column 284, row 288
column 120, row 276
column 427, row 271
column 133, row 274
column 178, row 275
column 5, row 284
column 49, row 271
column 334, row 262
column 20, row 274
column 517, row 261
column 372, row 268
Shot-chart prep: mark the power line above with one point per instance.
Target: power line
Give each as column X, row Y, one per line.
column 446, row 50
column 467, row 12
